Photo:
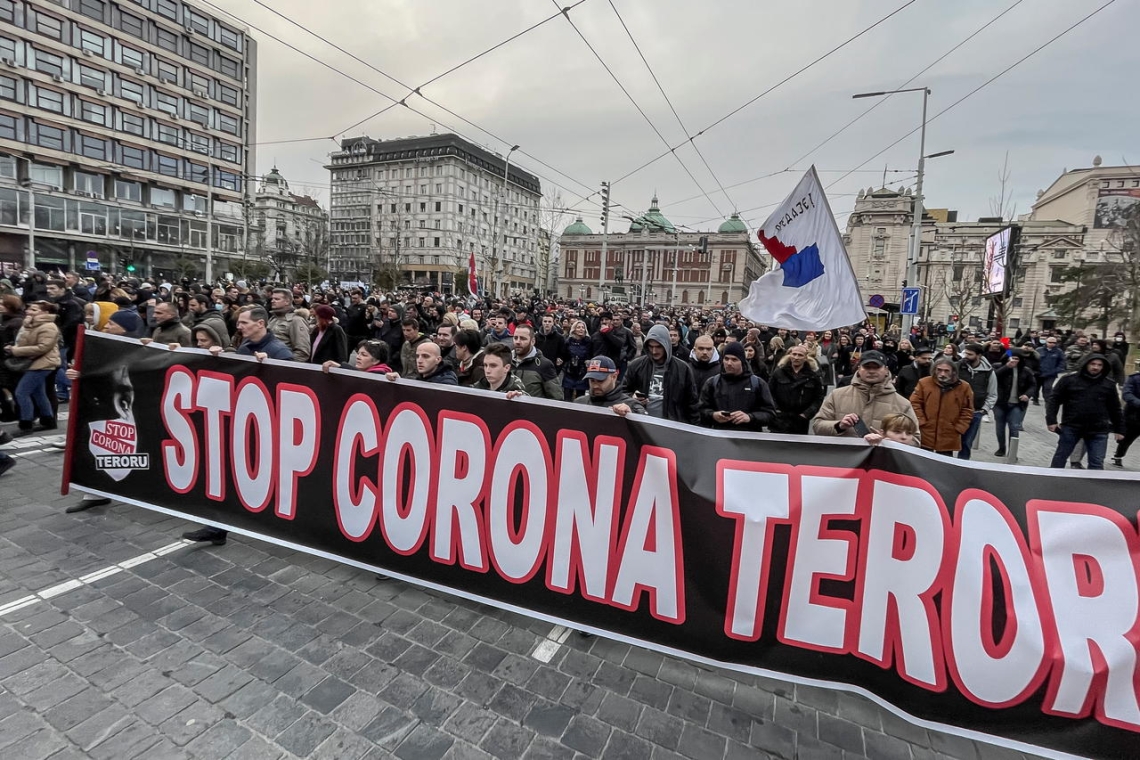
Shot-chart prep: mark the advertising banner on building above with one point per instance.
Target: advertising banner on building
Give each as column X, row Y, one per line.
column 1114, row 205
column 1000, row 603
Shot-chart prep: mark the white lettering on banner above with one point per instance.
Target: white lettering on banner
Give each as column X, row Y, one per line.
column 520, row 454
column 811, row 619
column 589, row 497
column 994, row 673
column 1094, row 597
column 403, row 516
column 214, row 397
column 298, row 438
column 180, row 450
column 354, row 498
column 461, row 481
column 900, row 565
column 756, row 499
column 253, row 455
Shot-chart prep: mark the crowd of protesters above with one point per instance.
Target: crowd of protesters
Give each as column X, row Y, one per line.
column 689, row 364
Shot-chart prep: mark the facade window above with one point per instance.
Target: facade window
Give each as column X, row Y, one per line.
column 197, row 83
column 198, row 143
column 89, row 184
column 92, row 77
column 229, row 38
column 132, row 24
column 167, row 165
column 8, row 167
column 93, row 147
column 198, row 172
column 8, row 11
column 135, row 125
column 167, row 40
column 7, row 88
column 128, row 191
column 131, row 90
column 438, row 206
column 227, row 123
column 136, row 158
column 229, row 67
column 49, row 64
column 199, row 114
column 169, row 134
column 92, row 9
column 8, row 127
column 46, row 174
column 228, row 95
column 1056, row 274
column 49, row 100
column 49, row 26
column 227, row 180
column 199, row 53
column 162, row 197
column 164, row 102
column 168, row 72
column 95, row 43
column 423, row 208
column 8, row 48
column 130, row 57
column 194, row 202
column 94, row 113
column 198, row 22
column 50, row 213
column 436, row 242
column 47, row 136
column 168, row 8
column 228, row 152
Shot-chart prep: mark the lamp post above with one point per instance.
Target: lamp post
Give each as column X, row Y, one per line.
column 495, row 236
column 916, row 225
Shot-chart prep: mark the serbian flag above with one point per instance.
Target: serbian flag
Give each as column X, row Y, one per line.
column 472, row 278
column 814, row 287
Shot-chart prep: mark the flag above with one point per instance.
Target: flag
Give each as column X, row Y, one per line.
column 814, row 287
column 472, row 278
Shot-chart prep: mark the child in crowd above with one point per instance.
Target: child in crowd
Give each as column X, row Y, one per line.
column 896, row 427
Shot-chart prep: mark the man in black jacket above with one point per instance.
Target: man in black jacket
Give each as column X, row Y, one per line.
column 1091, row 411
column 661, row 382
column 910, row 374
column 613, row 339
column 705, row 360
column 736, row 399
column 797, row 391
column 602, row 374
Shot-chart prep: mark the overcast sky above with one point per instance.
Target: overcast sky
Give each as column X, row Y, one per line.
column 548, row 93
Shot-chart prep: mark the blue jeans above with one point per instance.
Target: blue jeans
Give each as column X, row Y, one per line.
column 31, row 395
column 969, row 436
column 1009, row 415
column 62, row 384
column 1096, row 443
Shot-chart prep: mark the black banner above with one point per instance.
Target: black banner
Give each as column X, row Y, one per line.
column 1001, row 603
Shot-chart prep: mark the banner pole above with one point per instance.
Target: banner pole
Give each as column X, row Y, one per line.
column 72, row 417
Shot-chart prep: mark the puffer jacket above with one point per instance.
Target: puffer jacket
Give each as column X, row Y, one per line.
column 870, row 402
column 39, row 340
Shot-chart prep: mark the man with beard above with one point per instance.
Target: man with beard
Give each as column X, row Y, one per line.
column 538, row 373
column 1091, row 410
column 287, row 326
column 909, row 375
column 944, row 405
column 168, row 328
column 662, row 382
column 736, row 399
column 705, row 360
column 797, row 391
column 549, row 341
column 977, row 371
column 602, row 375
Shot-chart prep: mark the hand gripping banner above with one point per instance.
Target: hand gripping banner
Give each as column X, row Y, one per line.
column 999, row 603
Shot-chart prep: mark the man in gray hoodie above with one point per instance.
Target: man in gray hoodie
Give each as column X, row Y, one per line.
column 661, row 381
column 978, row 372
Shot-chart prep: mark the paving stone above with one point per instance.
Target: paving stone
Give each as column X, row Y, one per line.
column 658, row 727
column 342, row 745
column 17, row 726
column 798, row 718
column 506, row 739
column 883, row 747
column 166, row 704
column 276, row 716
column 448, row 673
column 248, row 699
column 140, row 688
column 77, row 709
column 403, row 690
column 53, row 693
column 513, row 702
column 549, row 719
column 484, row 657
column 699, row 743
column 840, row 733
column 774, row 738
column 300, row 679
column 478, row 688
column 357, row 711
column 128, row 742
column 689, row 706
column 616, row 678
column 223, row 683
column 623, row 746
column 470, row 722
column 390, row 727
column 434, row 706
column 42, row 743
column 587, row 735
column 223, row 739
column 325, row 696
column 715, row 687
column 424, row 743
column 306, row 734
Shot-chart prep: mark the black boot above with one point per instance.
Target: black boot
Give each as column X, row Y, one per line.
column 48, row 423
column 25, row 428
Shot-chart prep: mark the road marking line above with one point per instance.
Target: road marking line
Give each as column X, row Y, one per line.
column 98, row 575
column 549, row 646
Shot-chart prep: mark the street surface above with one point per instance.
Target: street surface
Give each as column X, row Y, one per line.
column 119, row 640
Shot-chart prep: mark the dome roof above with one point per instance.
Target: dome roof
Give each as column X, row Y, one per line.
column 577, row 228
column 658, row 222
column 274, row 178
column 733, row 224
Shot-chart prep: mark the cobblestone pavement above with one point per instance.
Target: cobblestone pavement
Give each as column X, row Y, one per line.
column 139, row 645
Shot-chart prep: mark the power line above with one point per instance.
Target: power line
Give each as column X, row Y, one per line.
column 636, row 106
column 385, row 95
column 677, row 116
column 982, row 86
column 782, row 82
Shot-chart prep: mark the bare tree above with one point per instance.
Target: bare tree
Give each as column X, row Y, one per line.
column 1002, row 204
column 552, row 216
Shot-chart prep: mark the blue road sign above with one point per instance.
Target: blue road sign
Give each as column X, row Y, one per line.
column 910, row 301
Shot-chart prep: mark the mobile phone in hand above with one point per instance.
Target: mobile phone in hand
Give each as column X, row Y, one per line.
column 860, row 428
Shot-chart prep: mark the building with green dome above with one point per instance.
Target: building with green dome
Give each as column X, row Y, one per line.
column 656, row 262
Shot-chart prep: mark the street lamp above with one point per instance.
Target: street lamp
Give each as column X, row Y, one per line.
column 916, row 226
column 495, row 236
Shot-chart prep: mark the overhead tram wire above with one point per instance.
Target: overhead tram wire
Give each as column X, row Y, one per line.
column 677, row 116
column 395, row 101
column 779, row 84
column 934, row 63
column 980, row 87
column 638, row 107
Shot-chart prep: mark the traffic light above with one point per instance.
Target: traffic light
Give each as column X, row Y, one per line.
column 605, row 203
column 130, row 266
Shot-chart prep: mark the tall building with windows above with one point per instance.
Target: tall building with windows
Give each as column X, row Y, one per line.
column 289, row 232
column 126, row 130
column 656, row 263
column 411, row 211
